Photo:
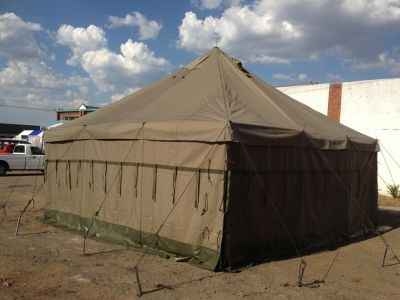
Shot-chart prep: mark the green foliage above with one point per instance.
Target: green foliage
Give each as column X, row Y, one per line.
column 394, row 190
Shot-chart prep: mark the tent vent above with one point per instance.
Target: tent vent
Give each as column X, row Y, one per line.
column 241, row 68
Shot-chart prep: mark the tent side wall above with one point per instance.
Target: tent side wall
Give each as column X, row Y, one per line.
column 166, row 195
column 282, row 198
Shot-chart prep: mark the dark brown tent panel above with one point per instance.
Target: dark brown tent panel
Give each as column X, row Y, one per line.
column 214, row 164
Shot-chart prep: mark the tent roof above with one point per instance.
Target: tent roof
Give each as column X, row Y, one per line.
column 213, row 99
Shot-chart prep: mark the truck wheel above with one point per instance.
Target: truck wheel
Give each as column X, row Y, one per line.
column 3, row 169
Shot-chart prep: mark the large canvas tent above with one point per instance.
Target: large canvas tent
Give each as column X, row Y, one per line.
column 211, row 163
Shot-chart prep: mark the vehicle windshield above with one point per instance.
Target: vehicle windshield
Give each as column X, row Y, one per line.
column 36, row 151
column 19, row 149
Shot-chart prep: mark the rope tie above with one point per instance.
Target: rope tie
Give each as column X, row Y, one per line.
column 223, row 207
column 136, row 180
column 174, row 178
column 105, row 177
column 154, row 194
column 208, row 171
column 205, row 208
column 57, row 181
column 219, row 239
column 78, row 171
column 197, row 195
column 91, row 180
column 66, row 174
column 92, row 170
column 120, row 178
column 205, row 234
column 68, row 166
column 46, row 164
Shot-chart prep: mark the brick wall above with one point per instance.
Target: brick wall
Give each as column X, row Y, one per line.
column 68, row 115
column 335, row 101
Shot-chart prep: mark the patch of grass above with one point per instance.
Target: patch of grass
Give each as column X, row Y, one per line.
column 394, row 190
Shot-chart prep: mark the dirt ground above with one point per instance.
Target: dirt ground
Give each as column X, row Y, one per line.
column 384, row 200
column 44, row 262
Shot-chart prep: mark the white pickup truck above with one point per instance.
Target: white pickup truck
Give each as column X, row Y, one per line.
column 23, row 157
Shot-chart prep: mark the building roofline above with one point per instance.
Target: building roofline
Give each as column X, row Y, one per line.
column 77, row 109
column 342, row 82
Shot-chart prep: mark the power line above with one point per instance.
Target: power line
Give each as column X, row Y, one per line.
column 28, row 107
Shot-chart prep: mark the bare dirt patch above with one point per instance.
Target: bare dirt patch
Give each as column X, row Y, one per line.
column 384, row 200
column 45, row 262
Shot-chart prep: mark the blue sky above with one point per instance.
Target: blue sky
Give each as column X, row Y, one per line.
column 62, row 53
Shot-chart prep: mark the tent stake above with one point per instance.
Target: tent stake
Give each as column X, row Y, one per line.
column 302, row 268
column 384, row 256
column 21, row 214
column 387, row 249
column 3, row 206
column 84, row 244
column 85, row 235
column 139, row 285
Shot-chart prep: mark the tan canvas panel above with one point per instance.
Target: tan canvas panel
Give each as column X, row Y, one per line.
column 208, row 100
column 214, row 164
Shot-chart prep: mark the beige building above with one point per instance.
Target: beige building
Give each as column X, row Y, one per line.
column 67, row 114
column 370, row 106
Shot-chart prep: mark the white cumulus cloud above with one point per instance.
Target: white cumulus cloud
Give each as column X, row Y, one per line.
column 34, row 83
column 148, row 29
column 235, row 32
column 80, row 40
column 26, row 78
column 284, row 31
column 17, row 39
column 133, row 66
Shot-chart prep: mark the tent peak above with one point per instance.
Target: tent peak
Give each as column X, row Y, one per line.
column 216, row 50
